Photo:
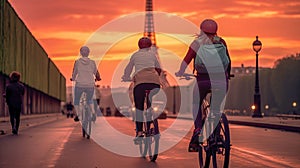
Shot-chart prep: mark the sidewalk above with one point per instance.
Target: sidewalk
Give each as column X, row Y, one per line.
column 28, row 121
column 292, row 125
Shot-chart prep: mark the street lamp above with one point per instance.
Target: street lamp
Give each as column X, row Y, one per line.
column 266, row 109
column 257, row 45
column 294, row 104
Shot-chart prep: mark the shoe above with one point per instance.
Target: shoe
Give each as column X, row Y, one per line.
column 94, row 117
column 15, row 132
column 76, row 118
column 88, row 137
column 138, row 138
column 194, row 143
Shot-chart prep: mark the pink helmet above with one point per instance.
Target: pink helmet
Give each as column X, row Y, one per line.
column 144, row 42
column 84, row 51
column 209, row 26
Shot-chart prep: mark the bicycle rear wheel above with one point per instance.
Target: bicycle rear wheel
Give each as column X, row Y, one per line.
column 86, row 122
column 221, row 152
column 153, row 141
column 143, row 147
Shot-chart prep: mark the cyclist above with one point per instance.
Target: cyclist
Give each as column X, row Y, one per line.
column 85, row 73
column 208, row 35
column 145, row 77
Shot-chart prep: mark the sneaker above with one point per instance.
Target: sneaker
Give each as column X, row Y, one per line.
column 94, row 117
column 15, row 132
column 138, row 138
column 76, row 118
column 194, row 143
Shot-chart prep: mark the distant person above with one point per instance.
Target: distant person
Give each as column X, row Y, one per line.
column 97, row 97
column 70, row 108
column 208, row 35
column 145, row 77
column 85, row 73
column 14, row 97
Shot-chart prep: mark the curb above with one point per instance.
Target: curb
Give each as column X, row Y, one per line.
column 267, row 125
column 42, row 119
column 255, row 124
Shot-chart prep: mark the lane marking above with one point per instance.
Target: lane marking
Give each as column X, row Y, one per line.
column 58, row 150
column 264, row 157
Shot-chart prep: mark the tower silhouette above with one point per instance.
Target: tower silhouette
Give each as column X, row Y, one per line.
column 150, row 32
column 149, row 22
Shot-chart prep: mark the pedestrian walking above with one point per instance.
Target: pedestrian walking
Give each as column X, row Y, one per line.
column 14, row 97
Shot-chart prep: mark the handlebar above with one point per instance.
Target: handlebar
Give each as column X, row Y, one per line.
column 187, row 76
column 95, row 79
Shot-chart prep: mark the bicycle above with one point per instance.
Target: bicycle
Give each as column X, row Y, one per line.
column 213, row 145
column 149, row 140
column 86, row 116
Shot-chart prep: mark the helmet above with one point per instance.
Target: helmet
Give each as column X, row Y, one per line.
column 145, row 42
column 209, row 26
column 84, row 51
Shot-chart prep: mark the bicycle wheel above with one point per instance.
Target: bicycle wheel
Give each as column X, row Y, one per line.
column 143, row 144
column 153, row 140
column 221, row 151
column 89, row 123
column 86, row 122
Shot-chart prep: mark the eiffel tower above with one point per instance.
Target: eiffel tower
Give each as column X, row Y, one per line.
column 149, row 32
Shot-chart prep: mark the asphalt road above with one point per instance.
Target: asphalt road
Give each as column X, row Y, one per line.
column 60, row 144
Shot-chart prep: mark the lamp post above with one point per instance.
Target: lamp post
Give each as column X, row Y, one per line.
column 294, row 104
column 257, row 45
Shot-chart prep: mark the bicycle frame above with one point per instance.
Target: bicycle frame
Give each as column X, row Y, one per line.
column 151, row 135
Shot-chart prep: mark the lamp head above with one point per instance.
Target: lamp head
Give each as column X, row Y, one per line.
column 257, row 45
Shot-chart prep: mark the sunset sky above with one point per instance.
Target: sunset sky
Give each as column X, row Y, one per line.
column 63, row 26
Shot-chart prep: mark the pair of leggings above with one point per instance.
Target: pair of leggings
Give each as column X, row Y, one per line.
column 139, row 98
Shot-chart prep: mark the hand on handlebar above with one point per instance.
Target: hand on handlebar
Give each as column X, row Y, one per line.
column 126, row 79
column 179, row 74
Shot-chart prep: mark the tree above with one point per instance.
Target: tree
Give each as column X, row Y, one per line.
column 285, row 82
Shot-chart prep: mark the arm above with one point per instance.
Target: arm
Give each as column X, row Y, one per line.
column 229, row 65
column 157, row 66
column 128, row 69
column 7, row 94
column 96, row 72
column 190, row 55
column 97, row 75
column 75, row 71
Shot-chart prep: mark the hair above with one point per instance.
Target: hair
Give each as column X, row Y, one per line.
column 15, row 76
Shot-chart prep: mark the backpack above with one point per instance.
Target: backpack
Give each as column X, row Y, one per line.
column 211, row 58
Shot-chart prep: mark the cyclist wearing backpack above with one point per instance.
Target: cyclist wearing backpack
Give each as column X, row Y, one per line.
column 145, row 77
column 201, row 50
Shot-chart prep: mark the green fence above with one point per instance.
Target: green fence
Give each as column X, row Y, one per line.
column 20, row 51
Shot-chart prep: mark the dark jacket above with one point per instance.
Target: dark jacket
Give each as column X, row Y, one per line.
column 14, row 94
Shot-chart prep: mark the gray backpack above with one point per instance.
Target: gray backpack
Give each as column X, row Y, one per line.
column 211, row 58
